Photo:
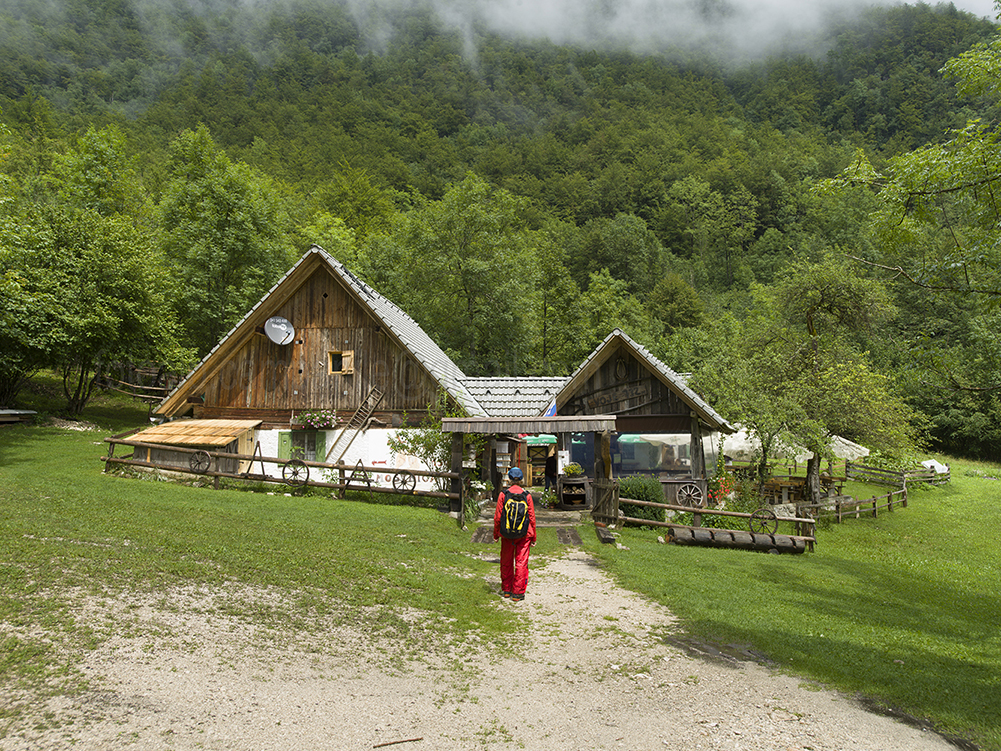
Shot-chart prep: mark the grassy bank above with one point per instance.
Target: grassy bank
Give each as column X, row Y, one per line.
column 902, row 609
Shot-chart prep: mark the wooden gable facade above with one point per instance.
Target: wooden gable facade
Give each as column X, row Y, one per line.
column 625, row 386
column 621, row 378
column 340, row 350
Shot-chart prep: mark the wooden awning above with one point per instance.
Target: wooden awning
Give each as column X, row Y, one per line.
column 516, row 425
column 196, row 432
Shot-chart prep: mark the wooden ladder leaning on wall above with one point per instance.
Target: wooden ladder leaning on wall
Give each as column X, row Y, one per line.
column 358, row 422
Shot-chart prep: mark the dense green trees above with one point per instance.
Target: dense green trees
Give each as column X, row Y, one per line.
column 84, row 290
column 224, row 233
column 796, row 369
column 462, row 266
column 518, row 199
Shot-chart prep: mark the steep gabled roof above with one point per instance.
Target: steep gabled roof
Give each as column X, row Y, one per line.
column 674, row 381
column 399, row 325
column 412, row 337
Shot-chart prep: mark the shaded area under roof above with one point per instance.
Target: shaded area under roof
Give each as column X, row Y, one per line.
column 515, row 425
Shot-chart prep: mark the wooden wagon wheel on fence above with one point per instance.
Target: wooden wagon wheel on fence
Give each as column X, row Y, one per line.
column 690, row 495
column 404, row 482
column 200, row 461
column 295, row 472
column 763, row 521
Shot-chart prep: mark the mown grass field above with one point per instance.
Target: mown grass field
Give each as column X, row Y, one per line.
column 903, row 609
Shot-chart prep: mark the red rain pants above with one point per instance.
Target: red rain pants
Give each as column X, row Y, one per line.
column 514, row 565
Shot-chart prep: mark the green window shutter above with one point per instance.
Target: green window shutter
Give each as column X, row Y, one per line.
column 321, row 446
column 284, row 445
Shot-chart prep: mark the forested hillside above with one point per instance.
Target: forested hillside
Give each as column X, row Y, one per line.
column 760, row 222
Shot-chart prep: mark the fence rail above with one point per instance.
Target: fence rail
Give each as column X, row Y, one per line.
column 805, row 527
column 864, row 473
column 292, row 472
column 840, row 507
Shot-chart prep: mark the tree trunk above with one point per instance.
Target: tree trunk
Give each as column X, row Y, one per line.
column 812, row 490
column 763, row 473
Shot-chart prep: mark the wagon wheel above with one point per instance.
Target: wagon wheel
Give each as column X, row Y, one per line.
column 690, row 495
column 200, row 462
column 295, row 472
column 763, row 521
column 404, row 482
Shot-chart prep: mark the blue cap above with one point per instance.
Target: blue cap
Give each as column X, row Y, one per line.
column 515, row 473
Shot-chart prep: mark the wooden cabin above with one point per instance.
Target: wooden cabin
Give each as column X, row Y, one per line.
column 320, row 341
column 323, row 345
column 642, row 417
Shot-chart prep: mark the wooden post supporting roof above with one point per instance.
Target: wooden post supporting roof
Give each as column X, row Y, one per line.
column 458, row 483
column 601, row 425
column 698, row 454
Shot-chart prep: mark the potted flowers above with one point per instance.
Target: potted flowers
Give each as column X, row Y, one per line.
column 322, row 419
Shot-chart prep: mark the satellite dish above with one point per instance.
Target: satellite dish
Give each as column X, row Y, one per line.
column 279, row 330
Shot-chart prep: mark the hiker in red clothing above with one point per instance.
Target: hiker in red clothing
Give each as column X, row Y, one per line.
column 514, row 525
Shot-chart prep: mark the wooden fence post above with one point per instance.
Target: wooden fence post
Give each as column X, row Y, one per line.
column 456, row 482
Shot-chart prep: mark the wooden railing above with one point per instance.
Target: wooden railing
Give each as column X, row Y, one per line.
column 841, row 507
column 863, row 473
column 293, row 472
column 805, row 527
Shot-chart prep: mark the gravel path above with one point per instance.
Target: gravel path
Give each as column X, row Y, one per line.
column 590, row 677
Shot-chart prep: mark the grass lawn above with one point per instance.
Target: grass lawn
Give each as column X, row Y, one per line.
column 903, row 609
column 68, row 531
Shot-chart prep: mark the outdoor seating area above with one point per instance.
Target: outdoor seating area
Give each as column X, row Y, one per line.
column 777, row 490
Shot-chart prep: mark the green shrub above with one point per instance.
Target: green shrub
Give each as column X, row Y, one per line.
column 641, row 488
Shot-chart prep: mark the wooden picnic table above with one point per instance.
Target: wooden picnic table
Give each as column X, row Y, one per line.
column 793, row 489
column 783, row 489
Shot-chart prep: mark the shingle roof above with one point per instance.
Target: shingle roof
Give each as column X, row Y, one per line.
column 480, row 397
column 514, row 397
column 401, row 326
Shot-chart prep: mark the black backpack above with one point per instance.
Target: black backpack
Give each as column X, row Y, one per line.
column 514, row 515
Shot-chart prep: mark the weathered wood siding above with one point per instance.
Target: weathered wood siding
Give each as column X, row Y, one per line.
column 266, row 376
column 623, row 385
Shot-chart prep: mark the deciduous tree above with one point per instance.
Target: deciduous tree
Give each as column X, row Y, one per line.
column 224, row 233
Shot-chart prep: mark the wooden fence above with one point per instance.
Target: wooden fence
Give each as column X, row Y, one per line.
column 842, row 507
column 607, row 511
column 296, row 473
column 863, row 473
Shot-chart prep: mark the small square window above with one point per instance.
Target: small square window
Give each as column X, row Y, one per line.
column 340, row 362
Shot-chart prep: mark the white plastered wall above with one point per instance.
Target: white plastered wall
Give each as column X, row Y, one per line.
column 370, row 447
